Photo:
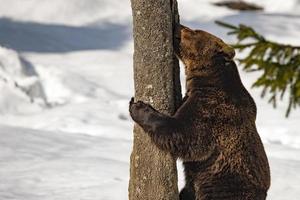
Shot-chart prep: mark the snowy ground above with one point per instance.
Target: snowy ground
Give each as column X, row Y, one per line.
column 66, row 78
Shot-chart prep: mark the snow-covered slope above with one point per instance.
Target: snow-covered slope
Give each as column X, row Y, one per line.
column 66, row 79
column 20, row 85
column 39, row 165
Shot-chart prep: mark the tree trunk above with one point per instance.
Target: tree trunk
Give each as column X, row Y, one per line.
column 153, row 173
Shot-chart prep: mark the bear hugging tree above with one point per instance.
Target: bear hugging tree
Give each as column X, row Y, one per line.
column 214, row 130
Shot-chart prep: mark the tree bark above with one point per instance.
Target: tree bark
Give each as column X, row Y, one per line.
column 153, row 173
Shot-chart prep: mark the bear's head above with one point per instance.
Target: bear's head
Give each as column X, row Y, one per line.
column 200, row 51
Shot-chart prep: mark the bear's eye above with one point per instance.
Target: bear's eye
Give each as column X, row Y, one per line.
column 219, row 50
column 219, row 54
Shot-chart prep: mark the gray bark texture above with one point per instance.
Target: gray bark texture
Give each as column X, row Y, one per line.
column 153, row 173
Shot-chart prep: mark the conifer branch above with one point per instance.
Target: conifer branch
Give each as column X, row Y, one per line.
column 279, row 64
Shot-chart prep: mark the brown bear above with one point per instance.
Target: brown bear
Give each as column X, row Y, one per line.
column 213, row 131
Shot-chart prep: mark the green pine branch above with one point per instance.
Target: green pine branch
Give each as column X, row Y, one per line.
column 279, row 64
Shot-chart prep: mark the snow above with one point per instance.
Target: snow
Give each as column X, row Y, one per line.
column 66, row 78
column 54, row 165
column 67, row 12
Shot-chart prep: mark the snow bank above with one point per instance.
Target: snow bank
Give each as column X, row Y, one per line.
column 85, row 94
column 21, row 89
column 27, row 88
column 278, row 6
column 192, row 10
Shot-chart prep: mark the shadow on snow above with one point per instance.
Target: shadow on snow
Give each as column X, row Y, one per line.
column 49, row 38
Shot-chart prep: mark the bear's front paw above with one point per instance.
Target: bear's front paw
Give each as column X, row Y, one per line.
column 139, row 110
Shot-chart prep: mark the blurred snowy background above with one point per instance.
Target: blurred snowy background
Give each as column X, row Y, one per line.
column 66, row 79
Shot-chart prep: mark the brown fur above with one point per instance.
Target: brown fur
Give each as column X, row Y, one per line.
column 214, row 130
